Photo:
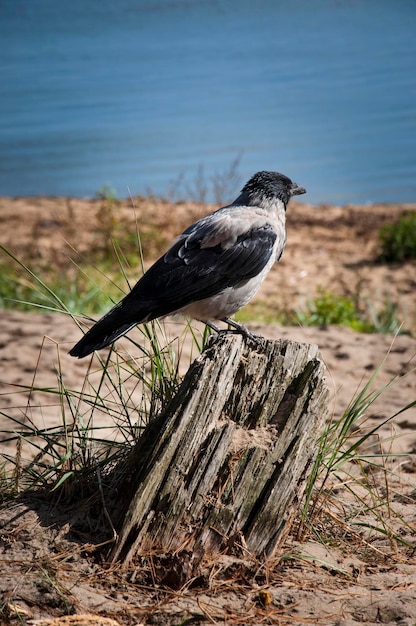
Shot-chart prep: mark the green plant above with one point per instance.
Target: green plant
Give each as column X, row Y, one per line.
column 106, row 192
column 384, row 320
column 68, row 291
column 329, row 308
column 398, row 240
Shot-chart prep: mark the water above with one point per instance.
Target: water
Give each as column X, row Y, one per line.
column 137, row 93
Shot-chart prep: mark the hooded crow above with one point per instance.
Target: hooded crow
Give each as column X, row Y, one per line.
column 210, row 271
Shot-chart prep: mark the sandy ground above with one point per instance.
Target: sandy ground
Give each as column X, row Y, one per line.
column 50, row 570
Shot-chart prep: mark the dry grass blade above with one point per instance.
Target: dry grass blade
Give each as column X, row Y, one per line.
column 344, row 468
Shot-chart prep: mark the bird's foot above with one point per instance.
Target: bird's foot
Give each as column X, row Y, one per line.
column 242, row 330
column 236, row 329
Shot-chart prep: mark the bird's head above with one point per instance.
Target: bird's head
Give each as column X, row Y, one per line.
column 264, row 188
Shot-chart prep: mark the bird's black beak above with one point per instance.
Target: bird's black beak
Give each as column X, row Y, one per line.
column 295, row 190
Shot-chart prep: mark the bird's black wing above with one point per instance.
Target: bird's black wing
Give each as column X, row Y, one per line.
column 192, row 271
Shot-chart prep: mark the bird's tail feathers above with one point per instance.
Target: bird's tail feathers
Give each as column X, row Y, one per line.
column 112, row 326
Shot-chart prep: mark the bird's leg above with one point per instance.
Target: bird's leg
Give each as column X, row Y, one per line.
column 214, row 327
column 241, row 329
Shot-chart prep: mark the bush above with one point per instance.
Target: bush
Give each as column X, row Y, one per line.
column 329, row 308
column 398, row 241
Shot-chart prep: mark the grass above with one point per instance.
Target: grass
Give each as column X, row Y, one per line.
column 352, row 312
column 118, row 398
column 121, row 393
column 123, row 387
column 23, row 289
column 398, row 240
column 100, row 422
column 348, row 505
column 128, row 390
column 350, row 479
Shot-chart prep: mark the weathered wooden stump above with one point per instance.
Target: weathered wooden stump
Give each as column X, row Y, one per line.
column 229, row 457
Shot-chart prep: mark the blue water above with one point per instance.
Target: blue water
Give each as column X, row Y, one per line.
column 137, row 93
